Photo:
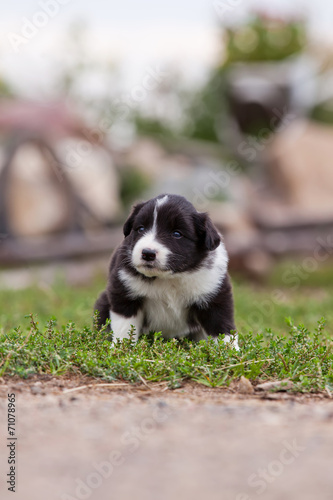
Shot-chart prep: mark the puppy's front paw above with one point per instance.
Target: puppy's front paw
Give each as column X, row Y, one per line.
column 231, row 339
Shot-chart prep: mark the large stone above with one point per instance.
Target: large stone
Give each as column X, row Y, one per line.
column 38, row 198
column 92, row 174
column 146, row 155
column 34, row 203
column 300, row 167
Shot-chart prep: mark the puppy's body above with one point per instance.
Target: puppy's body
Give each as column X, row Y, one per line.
column 169, row 274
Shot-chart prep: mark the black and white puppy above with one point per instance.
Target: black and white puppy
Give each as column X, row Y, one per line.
column 169, row 275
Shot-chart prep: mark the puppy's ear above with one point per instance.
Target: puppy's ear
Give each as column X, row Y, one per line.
column 128, row 226
column 208, row 235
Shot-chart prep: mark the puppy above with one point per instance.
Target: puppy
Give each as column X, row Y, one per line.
column 169, row 275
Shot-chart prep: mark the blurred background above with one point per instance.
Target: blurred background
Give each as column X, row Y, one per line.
column 229, row 103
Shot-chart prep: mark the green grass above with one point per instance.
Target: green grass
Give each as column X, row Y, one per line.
column 58, row 337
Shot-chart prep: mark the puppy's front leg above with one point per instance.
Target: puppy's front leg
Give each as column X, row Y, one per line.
column 102, row 307
column 234, row 341
column 122, row 326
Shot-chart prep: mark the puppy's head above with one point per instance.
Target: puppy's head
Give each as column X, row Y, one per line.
column 166, row 235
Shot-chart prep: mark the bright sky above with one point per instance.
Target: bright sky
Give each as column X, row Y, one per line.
column 137, row 33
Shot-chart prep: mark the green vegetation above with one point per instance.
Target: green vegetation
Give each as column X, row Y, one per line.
column 271, row 347
column 323, row 112
column 133, row 184
column 263, row 38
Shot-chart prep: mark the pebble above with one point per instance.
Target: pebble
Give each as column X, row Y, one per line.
column 36, row 390
column 245, row 386
column 282, row 385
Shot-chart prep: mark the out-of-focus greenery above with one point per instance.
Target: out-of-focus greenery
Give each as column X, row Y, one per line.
column 265, row 39
column 205, row 109
column 5, row 89
column 77, row 66
column 201, row 110
column 201, row 113
column 321, row 278
column 152, row 126
column 260, row 39
column 255, row 305
column 323, row 112
column 133, row 183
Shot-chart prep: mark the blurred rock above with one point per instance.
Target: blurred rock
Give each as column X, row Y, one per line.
column 301, row 175
column 36, row 390
column 281, row 385
column 35, row 204
column 93, row 175
column 72, row 272
column 258, row 263
column 55, row 175
column 146, row 155
column 44, row 196
column 245, row 386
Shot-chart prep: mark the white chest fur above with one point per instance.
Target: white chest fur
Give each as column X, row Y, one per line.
column 167, row 300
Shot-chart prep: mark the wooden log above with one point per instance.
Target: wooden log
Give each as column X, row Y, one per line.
column 24, row 250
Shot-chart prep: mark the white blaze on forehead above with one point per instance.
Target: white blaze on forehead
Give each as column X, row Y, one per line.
column 159, row 203
column 149, row 241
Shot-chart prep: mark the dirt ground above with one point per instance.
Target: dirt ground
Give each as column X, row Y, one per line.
column 148, row 442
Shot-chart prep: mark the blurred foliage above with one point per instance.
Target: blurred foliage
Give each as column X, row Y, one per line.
column 133, row 184
column 265, row 39
column 152, row 126
column 205, row 110
column 5, row 89
column 71, row 302
column 80, row 74
column 323, row 112
column 200, row 109
column 172, row 109
column 321, row 278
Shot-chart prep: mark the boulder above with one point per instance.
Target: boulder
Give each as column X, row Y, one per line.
column 300, row 169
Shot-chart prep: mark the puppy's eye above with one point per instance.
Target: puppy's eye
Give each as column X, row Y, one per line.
column 176, row 234
column 141, row 229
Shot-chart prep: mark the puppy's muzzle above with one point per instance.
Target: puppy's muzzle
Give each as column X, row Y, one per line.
column 148, row 255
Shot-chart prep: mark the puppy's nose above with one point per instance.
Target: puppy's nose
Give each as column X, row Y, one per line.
column 148, row 254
